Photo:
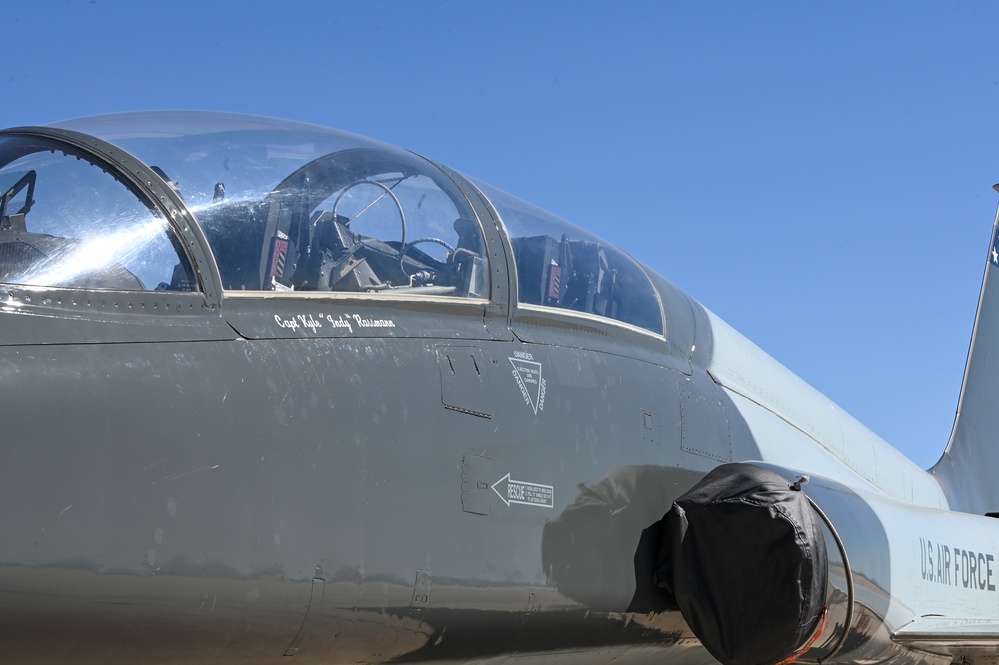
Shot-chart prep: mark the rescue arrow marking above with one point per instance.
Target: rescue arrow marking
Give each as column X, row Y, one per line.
column 525, row 493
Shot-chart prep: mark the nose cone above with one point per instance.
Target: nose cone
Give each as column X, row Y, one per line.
column 746, row 561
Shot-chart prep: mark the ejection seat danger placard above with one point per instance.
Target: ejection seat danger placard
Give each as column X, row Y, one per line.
column 524, row 493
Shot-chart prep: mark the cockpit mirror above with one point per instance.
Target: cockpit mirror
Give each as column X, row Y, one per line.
column 21, row 181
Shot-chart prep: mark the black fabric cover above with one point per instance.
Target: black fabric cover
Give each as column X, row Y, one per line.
column 744, row 556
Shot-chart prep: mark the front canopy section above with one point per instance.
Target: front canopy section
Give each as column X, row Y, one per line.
column 292, row 207
column 69, row 219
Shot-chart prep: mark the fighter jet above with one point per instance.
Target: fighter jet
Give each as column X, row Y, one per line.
column 276, row 393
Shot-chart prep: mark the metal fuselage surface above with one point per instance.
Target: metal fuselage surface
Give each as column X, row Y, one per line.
column 256, row 476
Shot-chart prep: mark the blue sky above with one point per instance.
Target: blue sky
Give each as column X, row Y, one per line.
column 817, row 174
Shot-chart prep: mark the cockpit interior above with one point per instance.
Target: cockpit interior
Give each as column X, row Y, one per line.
column 287, row 208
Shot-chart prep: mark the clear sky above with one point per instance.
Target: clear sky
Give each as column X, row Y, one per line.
column 817, row 174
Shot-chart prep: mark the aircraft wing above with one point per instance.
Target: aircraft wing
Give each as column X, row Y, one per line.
column 950, row 635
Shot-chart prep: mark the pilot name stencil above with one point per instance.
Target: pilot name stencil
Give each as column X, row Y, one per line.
column 343, row 322
column 527, row 372
column 954, row 566
column 524, row 493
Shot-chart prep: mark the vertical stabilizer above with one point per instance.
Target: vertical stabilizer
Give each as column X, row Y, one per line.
column 969, row 468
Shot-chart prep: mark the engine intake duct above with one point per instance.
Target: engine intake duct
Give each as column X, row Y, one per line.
column 744, row 556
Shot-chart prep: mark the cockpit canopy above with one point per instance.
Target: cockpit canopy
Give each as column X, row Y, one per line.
column 285, row 207
column 67, row 221
column 294, row 207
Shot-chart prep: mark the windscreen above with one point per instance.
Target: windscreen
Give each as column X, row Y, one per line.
column 66, row 221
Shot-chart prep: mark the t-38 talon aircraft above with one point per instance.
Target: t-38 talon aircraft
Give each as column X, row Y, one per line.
column 274, row 393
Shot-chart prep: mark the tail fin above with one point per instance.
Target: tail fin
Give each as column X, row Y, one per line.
column 969, row 468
